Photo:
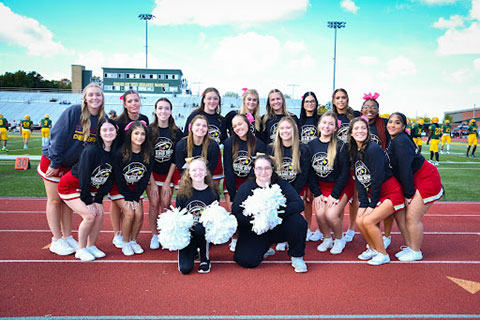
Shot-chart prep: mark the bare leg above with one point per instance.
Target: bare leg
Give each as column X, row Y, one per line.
column 415, row 211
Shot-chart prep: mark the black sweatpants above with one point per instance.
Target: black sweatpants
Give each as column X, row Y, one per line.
column 251, row 247
column 187, row 255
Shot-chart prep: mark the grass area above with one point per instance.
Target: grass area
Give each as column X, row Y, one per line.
column 460, row 175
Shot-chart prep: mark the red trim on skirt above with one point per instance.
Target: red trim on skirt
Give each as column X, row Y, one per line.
column 43, row 167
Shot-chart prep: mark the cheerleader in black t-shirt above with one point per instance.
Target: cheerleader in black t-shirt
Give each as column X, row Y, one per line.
column 250, row 104
column 379, row 193
column 276, row 109
column 379, row 134
column 165, row 135
column 291, row 157
column 131, row 112
column 196, row 192
column 132, row 168
column 308, row 131
column 345, row 114
column 83, row 188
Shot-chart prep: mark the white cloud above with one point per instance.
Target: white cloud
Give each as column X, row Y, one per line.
column 439, row 2
column 465, row 41
column 295, row 47
column 349, row 5
column 225, row 12
column 400, row 66
column 29, row 33
column 475, row 11
column 476, row 64
column 368, row 61
column 459, row 76
column 454, row 22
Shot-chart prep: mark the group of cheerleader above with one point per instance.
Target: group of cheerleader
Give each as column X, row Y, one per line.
column 320, row 162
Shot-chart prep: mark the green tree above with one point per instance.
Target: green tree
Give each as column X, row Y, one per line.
column 231, row 94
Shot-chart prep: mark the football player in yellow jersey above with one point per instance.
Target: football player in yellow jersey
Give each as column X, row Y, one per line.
column 417, row 134
column 434, row 140
column 446, row 136
column 26, row 127
column 472, row 137
column 3, row 132
column 46, row 124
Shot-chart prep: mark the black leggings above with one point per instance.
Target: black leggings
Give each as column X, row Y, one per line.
column 187, row 255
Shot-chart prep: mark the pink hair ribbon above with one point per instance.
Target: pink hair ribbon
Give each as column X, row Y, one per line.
column 364, row 118
column 250, row 117
column 244, row 91
column 131, row 122
column 371, row 96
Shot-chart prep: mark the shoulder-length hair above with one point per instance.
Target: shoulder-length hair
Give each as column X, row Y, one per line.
column 332, row 146
column 303, row 112
column 251, row 140
column 350, row 115
column 186, row 187
column 275, row 177
column 352, row 144
column 146, row 148
column 171, row 121
column 99, row 141
column 278, row 145
column 206, row 140
column 85, row 114
column 124, row 116
column 269, row 111
column 256, row 113
column 218, row 110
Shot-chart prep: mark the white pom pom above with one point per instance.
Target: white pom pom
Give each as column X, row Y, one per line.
column 263, row 205
column 219, row 224
column 174, row 226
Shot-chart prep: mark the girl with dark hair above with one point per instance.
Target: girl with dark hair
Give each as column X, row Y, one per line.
column 84, row 187
column 420, row 182
column 308, row 131
column 345, row 114
column 276, row 109
column 165, row 136
column 197, row 144
column 132, row 167
column 379, row 134
column 379, row 193
column 250, row 104
column 330, row 182
column 131, row 112
column 252, row 248
column 76, row 128
column 196, row 192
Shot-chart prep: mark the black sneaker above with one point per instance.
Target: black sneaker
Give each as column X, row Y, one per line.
column 204, row 267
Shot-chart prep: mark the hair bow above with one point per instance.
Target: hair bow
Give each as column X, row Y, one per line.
column 250, row 117
column 364, row 118
column 371, row 96
column 131, row 122
column 244, row 91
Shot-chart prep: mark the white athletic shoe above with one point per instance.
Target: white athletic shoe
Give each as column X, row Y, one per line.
column 118, row 241
column 387, row 241
column 233, row 244
column 326, row 244
column 348, row 236
column 270, row 252
column 72, row 243
column 317, row 235
column 97, row 253
column 404, row 250
column 379, row 259
column 61, row 247
column 84, row 255
column 282, row 246
column 411, row 256
column 338, row 246
column 154, row 244
column 299, row 265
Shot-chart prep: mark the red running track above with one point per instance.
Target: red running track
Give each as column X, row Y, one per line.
column 35, row 282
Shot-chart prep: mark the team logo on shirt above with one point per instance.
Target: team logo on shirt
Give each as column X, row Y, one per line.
column 134, row 172
column 309, row 133
column 342, row 132
column 100, row 175
column 242, row 164
column 163, row 149
column 196, row 208
column 362, row 174
column 286, row 171
column 273, row 131
column 214, row 133
column 320, row 164
column 375, row 139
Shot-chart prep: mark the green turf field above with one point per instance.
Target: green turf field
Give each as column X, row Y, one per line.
column 460, row 175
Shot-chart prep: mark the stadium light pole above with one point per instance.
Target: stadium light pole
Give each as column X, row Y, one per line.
column 335, row 25
column 146, row 17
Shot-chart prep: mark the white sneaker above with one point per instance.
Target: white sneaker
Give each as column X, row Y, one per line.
column 84, row 255
column 387, row 241
column 233, row 244
column 326, row 244
column 403, row 251
column 127, row 249
column 97, row 253
column 348, row 236
column 379, row 259
column 411, row 256
column 61, row 247
column 136, row 247
column 317, row 235
column 118, row 241
column 338, row 246
column 299, row 264
column 72, row 243
column 154, row 244
column 270, row 252
column 282, row 246
column 437, row 163
column 367, row 254
column 309, row 234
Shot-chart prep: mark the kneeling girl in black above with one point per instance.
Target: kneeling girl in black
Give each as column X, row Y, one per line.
column 195, row 193
column 251, row 247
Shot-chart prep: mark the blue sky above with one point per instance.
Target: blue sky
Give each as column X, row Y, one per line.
column 422, row 56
